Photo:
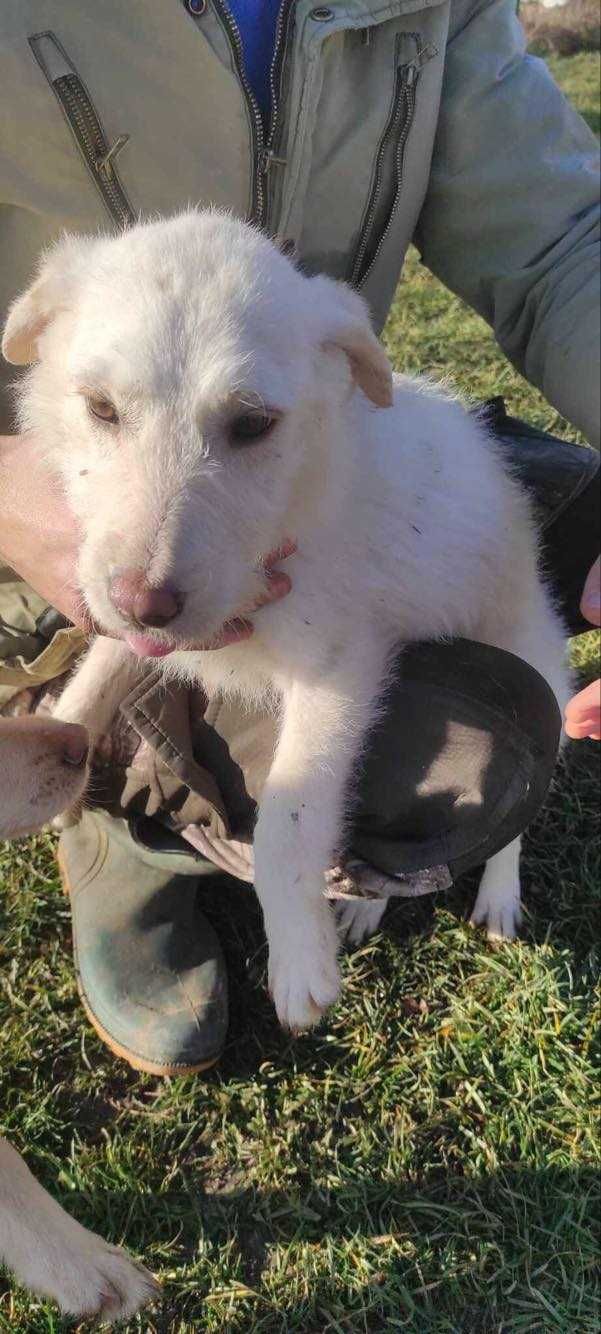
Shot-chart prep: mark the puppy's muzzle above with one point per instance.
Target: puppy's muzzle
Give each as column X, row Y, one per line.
column 137, row 600
column 65, row 743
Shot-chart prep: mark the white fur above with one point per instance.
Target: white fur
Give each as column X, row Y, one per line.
column 357, row 920
column 48, row 1251
column 407, row 525
column 38, row 775
column 55, row 1256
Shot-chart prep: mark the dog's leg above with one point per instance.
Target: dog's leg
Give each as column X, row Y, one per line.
column 93, row 696
column 95, row 691
column 539, row 641
column 299, row 825
column 358, row 920
column 498, row 903
column 52, row 1254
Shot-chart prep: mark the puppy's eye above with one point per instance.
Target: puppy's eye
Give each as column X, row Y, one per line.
column 103, row 410
column 251, row 426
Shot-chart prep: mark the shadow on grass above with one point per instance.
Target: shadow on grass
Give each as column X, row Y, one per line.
column 560, row 872
column 453, row 1253
column 515, row 1250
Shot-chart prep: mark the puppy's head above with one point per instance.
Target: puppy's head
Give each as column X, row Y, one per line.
column 43, row 770
column 186, row 380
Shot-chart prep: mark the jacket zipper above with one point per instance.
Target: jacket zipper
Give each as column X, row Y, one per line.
column 258, row 200
column 85, row 124
column 397, row 129
column 269, row 157
column 263, row 155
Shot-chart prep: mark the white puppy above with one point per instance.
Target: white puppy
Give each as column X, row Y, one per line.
column 42, row 768
column 203, row 400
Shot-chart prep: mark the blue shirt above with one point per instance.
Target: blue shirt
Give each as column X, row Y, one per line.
column 256, row 21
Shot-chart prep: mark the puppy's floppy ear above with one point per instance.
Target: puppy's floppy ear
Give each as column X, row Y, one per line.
column 36, row 308
column 346, row 324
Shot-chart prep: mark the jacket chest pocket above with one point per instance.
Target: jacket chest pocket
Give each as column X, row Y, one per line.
column 360, row 146
column 410, row 56
column 98, row 154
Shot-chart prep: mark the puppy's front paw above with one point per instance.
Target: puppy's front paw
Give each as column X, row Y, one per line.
column 499, row 912
column 88, row 1277
column 303, row 971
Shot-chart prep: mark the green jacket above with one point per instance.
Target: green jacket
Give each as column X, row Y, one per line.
column 395, row 120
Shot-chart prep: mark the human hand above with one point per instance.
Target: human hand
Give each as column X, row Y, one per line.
column 40, row 538
column 583, row 713
column 277, row 585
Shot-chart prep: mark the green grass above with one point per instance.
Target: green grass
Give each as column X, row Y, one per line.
column 580, row 77
column 427, row 1161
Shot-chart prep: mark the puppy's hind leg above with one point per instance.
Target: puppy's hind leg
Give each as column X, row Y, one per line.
column 498, row 904
column 358, row 919
column 540, row 641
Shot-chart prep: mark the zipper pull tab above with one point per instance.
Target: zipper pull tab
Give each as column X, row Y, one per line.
column 424, row 55
column 105, row 164
column 427, row 53
column 269, row 159
column 421, row 58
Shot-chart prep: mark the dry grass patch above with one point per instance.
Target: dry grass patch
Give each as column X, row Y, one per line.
column 563, row 31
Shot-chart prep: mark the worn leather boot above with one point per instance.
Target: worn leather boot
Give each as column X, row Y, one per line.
column 149, row 966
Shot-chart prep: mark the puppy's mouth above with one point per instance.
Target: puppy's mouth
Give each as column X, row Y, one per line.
column 147, row 642
column 146, row 646
column 150, row 646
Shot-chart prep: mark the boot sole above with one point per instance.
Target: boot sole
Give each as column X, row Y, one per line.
column 131, row 1058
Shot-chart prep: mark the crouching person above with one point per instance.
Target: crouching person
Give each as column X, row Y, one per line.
column 177, row 782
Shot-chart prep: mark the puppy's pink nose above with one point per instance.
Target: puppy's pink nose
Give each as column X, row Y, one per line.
column 156, row 606
column 135, row 598
column 75, row 744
